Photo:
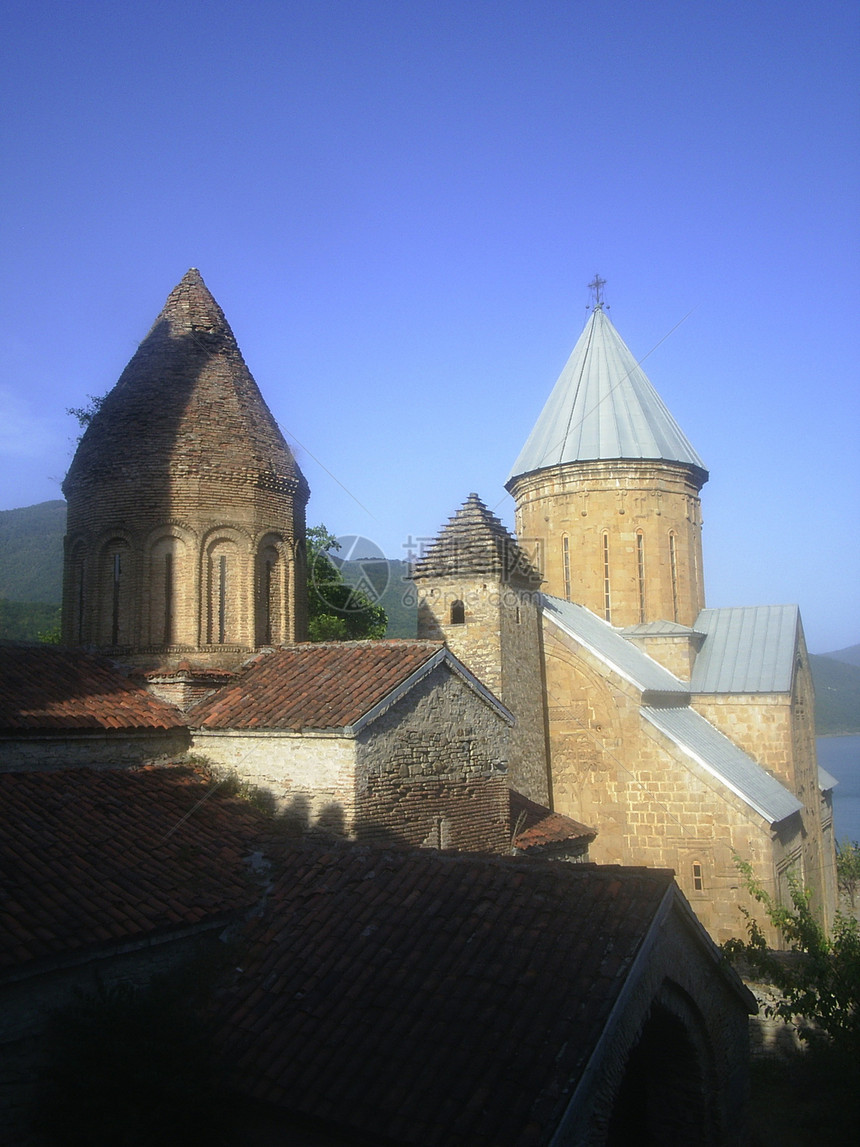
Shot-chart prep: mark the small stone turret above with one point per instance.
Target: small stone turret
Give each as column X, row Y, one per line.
column 186, row 508
column 478, row 591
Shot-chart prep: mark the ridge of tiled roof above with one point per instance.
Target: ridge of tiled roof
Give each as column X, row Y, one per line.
column 536, row 825
column 326, row 685
column 392, row 992
column 603, row 406
column 95, row 857
column 45, row 688
column 188, row 364
column 475, row 542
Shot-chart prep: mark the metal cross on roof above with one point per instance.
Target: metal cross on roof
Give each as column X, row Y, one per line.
column 596, row 287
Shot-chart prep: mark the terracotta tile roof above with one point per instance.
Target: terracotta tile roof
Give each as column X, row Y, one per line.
column 474, row 542
column 538, row 826
column 310, row 686
column 419, row 997
column 45, row 688
column 107, row 856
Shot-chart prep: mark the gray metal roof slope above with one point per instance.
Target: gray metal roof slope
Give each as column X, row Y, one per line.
column 603, row 406
column 706, row 745
column 611, row 648
column 748, row 649
column 826, row 781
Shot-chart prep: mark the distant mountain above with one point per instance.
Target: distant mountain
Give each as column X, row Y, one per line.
column 837, row 694
column 398, row 599
column 850, row 656
column 31, row 553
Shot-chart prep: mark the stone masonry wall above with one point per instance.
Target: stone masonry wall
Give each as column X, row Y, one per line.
column 431, row 771
column 777, row 731
column 622, row 500
column 651, row 804
column 97, row 750
column 310, row 776
column 500, row 641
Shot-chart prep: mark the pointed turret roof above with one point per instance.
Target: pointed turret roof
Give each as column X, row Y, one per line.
column 187, row 401
column 475, row 543
column 603, row 407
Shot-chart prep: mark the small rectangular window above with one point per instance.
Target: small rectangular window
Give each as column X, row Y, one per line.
column 698, row 879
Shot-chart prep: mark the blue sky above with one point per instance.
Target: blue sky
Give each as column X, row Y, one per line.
column 399, row 206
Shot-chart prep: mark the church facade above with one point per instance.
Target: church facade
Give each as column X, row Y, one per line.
column 682, row 737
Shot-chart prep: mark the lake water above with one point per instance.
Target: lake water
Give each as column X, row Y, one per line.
column 841, row 757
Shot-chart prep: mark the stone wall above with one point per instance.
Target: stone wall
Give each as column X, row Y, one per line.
column 28, row 1004
column 429, row 771
column 500, row 640
column 310, row 776
column 650, row 803
column 101, row 749
column 432, row 770
column 777, row 730
column 650, row 516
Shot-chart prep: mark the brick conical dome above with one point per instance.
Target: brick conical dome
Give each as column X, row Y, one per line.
column 186, row 526
column 186, row 399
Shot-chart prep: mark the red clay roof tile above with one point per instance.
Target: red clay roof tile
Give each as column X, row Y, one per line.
column 94, row 856
column 400, row 986
column 312, row 686
column 43, row 687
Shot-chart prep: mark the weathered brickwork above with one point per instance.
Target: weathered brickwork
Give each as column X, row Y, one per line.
column 649, row 803
column 186, row 526
column 430, row 770
column 621, row 538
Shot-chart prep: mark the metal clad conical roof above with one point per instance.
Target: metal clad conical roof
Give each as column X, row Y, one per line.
column 186, row 400
column 603, row 407
column 475, row 543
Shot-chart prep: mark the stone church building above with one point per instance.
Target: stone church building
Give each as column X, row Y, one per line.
column 582, row 651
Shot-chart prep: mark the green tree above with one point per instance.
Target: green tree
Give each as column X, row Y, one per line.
column 848, row 868
column 820, row 981
column 337, row 611
column 85, row 414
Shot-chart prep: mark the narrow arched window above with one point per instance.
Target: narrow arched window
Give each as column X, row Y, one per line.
column 607, row 605
column 640, row 572
column 222, row 595
column 168, row 598
column 565, row 563
column 458, row 613
column 673, row 570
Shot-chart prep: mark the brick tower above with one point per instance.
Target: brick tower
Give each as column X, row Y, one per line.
column 186, row 508
column 478, row 592
column 607, row 490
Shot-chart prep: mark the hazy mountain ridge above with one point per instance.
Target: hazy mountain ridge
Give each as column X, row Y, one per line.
column 837, row 693
column 31, row 553
column 31, row 576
